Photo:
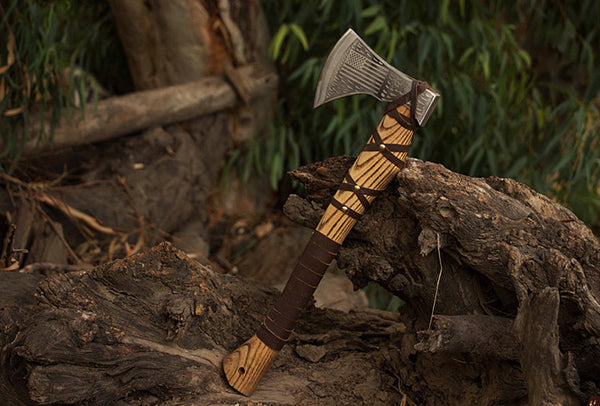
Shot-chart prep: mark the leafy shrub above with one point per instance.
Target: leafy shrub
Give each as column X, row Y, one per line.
column 517, row 82
column 45, row 49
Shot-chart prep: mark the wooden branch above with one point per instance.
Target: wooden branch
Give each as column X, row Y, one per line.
column 551, row 376
column 122, row 115
column 478, row 335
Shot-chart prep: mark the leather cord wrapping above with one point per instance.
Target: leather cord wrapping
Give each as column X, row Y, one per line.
column 345, row 209
column 410, row 123
column 387, row 150
column 350, row 184
column 314, row 261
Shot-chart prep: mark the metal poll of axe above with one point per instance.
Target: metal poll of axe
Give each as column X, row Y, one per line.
column 351, row 68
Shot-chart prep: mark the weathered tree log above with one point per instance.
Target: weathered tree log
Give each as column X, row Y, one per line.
column 552, row 378
column 501, row 246
column 126, row 114
column 153, row 328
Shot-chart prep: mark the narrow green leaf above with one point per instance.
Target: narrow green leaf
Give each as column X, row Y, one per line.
column 466, row 54
column 277, row 42
column 516, row 167
column 444, row 10
column 424, row 46
column 378, row 24
column 300, row 35
column 276, row 171
column 525, row 57
column 447, row 40
column 370, row 11
column 476, row 160
column 392, row 45
column 484, row 59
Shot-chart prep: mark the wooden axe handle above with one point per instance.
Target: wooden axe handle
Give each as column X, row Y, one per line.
column 379, row 162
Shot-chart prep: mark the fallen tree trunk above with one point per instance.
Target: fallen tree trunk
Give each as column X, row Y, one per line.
column 516, row 312
column 170, row 42
column 153, row 328
column 126, row 114
column 500, row 246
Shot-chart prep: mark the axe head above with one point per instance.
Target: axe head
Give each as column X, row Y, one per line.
column 352, row 68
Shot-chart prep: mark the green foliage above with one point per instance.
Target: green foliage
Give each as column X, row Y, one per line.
column 517, row 80
column 44, row 47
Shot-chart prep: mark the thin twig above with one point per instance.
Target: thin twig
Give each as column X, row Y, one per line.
column 12, row 179
column 69, row 211
column 60, row 236
column 437, row 285
column 73, row 213
column 123, row 182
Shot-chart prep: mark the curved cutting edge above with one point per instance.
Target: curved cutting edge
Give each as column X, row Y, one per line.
column 352, row 67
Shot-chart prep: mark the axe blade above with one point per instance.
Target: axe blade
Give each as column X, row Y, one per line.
column 352, row 67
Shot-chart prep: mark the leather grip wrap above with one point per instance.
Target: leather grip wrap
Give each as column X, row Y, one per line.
column 314, row 261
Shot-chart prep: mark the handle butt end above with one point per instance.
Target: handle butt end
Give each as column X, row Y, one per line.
column 245, row 366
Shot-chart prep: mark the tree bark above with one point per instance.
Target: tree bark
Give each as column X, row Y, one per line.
column 170, row 42
column 479, row 335
column 552, row 378
column 153, row 328
column 500, row 247
column 516, row 318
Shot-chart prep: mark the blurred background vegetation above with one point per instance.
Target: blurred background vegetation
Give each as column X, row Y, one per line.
column 53, row 54
column 519, row 83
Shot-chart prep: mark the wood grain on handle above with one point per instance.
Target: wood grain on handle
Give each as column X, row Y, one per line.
column 371, row 171
column 245, row 367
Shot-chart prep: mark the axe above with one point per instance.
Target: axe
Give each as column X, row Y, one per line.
column 351, row 68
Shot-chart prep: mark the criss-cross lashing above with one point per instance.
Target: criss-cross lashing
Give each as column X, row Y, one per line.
column 388, row 150
column 410, row 123
column 350, row 185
